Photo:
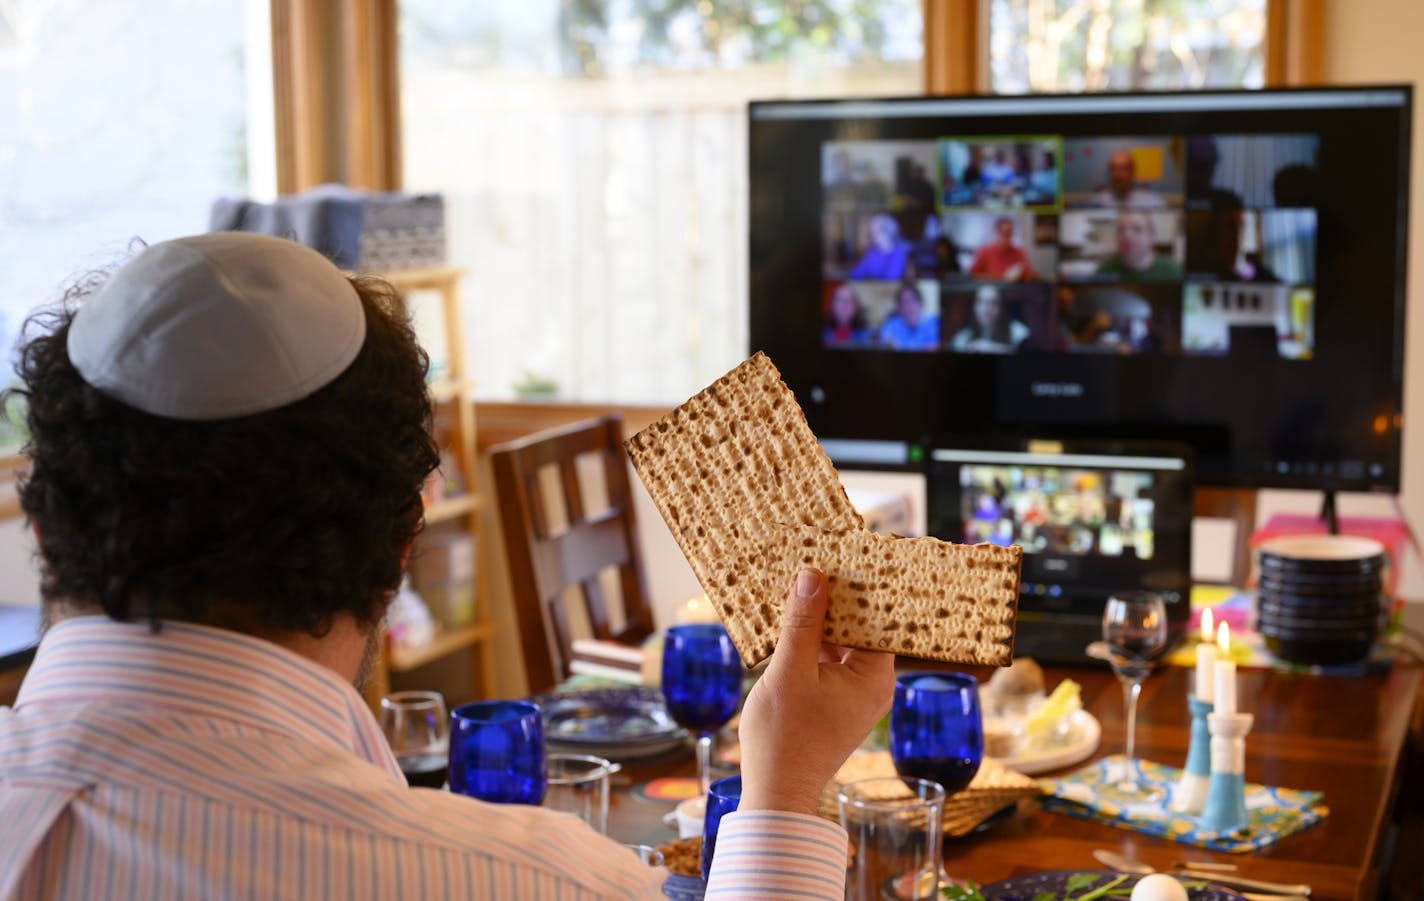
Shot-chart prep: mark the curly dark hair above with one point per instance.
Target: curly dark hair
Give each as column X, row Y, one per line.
column 277, row 521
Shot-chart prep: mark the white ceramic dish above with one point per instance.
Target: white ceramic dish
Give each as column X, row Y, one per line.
column 1084, row 732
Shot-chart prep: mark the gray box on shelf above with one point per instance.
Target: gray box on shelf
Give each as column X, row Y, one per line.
column 357, row 230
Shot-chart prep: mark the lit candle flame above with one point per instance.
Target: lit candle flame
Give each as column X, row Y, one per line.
column 1223, row 639
column 1206, row 625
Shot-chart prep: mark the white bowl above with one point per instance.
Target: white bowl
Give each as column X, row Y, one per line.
column 690, row 814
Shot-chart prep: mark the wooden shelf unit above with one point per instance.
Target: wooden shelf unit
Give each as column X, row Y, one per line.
column 463, row 510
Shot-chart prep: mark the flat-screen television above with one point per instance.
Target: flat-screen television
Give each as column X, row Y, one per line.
column 1220, row 268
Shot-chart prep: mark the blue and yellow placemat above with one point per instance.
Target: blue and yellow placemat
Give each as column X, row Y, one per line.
column 1274, row 812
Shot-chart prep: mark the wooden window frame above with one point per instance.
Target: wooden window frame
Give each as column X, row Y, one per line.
column 957, row 44
column 335, row 78
column 336, row 72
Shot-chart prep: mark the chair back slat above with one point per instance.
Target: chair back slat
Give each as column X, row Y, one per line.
column 580, row 553
column 573, row 490
column 597, row 606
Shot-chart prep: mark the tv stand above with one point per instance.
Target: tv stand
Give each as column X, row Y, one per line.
column 1327, row 512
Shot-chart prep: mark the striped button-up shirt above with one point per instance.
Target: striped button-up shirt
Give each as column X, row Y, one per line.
column 200, row 763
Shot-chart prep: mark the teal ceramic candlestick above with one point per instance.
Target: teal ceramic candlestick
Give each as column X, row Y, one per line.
column 1226, row 798
column 1189, row 796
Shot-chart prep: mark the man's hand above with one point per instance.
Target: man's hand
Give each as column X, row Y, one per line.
column 814, row 704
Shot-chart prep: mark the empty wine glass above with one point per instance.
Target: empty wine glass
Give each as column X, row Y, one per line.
column 936, row 728
column 1135, row 630
column 702, row 683
column 418, row 730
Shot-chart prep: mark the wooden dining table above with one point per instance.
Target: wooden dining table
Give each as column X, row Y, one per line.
column 1346, row 736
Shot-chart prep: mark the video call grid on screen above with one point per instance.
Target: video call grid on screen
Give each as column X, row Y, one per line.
column 1054, row 243
column 1291, row 383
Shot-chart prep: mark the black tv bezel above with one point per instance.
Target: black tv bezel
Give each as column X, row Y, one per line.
column 1388, row 481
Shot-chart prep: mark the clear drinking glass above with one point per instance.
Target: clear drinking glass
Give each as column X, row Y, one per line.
column 417, row 728
column 702, row 683
column 1135, row 630
column 896, row 829
column 578, row 784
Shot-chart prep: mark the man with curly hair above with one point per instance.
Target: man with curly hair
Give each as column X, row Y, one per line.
column 228, row 442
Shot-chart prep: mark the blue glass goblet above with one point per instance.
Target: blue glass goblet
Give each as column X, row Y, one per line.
column 497, row 752
column 723, row 796
column 702, row 683
column 936, row 729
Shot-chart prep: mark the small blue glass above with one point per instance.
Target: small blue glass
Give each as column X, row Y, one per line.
column 936, row 728
column 723, row 796
column 497, row 752
column 702, row 684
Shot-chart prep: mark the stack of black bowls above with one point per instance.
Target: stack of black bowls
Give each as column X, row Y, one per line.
column 1319, row 599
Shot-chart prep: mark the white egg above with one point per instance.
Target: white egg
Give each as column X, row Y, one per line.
column 1158, row 887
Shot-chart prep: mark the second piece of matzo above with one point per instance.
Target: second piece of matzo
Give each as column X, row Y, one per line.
column 740, row 449
column 920, row 597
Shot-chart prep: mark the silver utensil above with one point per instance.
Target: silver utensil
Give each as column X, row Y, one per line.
column 1278, row 891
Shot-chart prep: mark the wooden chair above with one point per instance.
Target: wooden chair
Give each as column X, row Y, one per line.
column 556, row 544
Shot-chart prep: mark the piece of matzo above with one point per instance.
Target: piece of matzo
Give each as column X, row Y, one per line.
column 920, row 597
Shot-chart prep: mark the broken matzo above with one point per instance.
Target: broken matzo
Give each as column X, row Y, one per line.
column 737, row 452
column 920, row 597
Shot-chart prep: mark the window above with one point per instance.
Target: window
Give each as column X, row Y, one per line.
column 593, row 160
column 1096, row 45
column 120, row 121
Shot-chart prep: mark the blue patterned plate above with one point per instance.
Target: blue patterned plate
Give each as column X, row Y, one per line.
column 609, row 719
column 1024, row 888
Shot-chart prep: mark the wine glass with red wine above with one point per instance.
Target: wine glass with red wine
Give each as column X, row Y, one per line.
column 936, row 728
column 1135, row 630
column 418, row 730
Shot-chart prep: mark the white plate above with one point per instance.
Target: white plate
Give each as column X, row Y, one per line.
column 620, row 751
column 1083, row 735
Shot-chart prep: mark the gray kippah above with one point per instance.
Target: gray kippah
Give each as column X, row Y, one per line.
column 217, row 326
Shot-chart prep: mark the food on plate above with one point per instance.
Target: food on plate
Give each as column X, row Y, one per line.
column 1050, row 718
column 740, row 480
column 1022, row 677
column 684, row 856
column 1016, row 724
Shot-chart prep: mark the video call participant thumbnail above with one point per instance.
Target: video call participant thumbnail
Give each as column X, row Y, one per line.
column 1252, row 245
column 1141, row 173
column 1001, row 258
column 1001, row 172
column 1137, row 258
column 1120, row 319
column 1231, row 172
column 845, row 322
column 1002, row 246
column 1219, row 318
column 1127, row 245
column 998, row 319
column 885, row 257
column 912, row 326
